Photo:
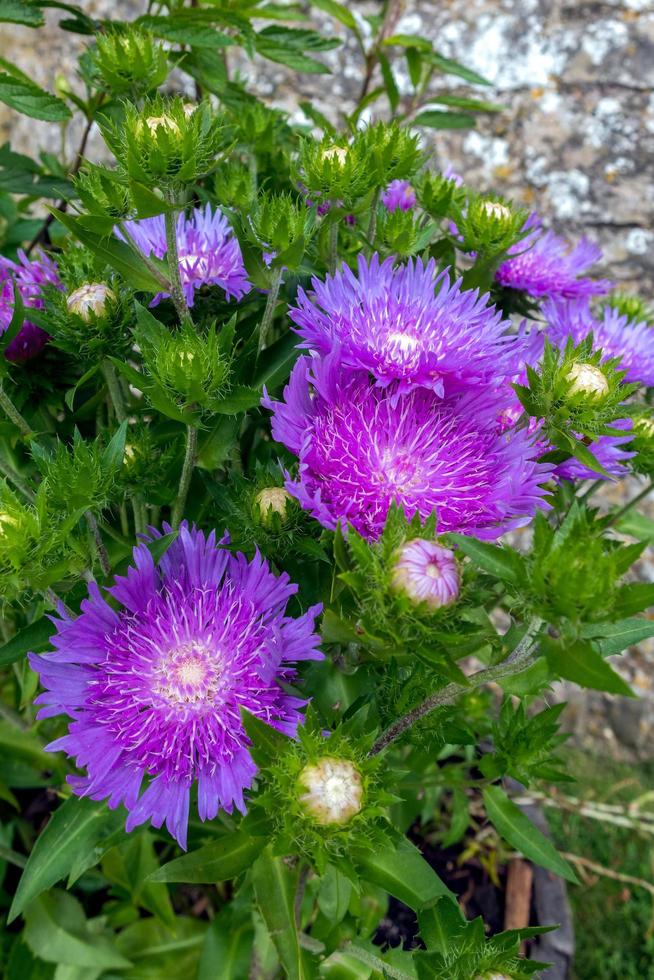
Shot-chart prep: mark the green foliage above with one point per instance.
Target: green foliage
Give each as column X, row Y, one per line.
column 129, row 62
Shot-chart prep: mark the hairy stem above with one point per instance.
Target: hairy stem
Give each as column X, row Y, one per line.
column 269, row 311
column 632, row 503
column 176, row 292
column 12, row 413
column 520, row 658
column 10, row 473
column 100, row 547
column 187, row 473
column 115, row 393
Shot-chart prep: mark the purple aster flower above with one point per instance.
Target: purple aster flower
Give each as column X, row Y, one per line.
column 450, row 174
column 399, row 194
column 154, row 687
column 615, row 334
column 542, row 264
column 30, row 277
column 209, row 254
column 362, row 447
column 425, row 571
column 406, row 325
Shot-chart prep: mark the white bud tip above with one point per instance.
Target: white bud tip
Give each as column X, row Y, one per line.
column 586, row 379
column 272, row 500
column 338, row 153
column 167, row 122
column 334, row 791
column 426, row 572
column 91, row 298
column 496, row 210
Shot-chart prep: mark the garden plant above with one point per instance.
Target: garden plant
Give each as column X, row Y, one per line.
column 301, row 442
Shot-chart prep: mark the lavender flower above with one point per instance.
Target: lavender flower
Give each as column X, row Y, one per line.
column 399, row 194
column 209, row 254
column 361, row 447
column 609, row 451
column 154, row 688
column 426, row 572
column 30, row 277
column 616, row 335
column 542, row 264
column 405, row 325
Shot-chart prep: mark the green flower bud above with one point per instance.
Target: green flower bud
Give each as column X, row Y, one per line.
column 440, row 196
column 129, row 62
column 633, row 307
column 332, row 171
column 233, row 186
column 271, row 505
column 190, row 366
column 90, row 300
column 104, row 192
column 333, row 791
column 387, row 152
column 399, row 231
column 279, row 224
column 490, row 227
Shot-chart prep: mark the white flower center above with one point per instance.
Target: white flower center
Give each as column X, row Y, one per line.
column 404, row 341
column 334, row 790
column 188, row 674
column 588, row 380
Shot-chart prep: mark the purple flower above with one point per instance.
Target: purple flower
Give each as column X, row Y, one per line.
column 543, row 264
column 608, row 451
column 209, row 254
column 426, row 572
column 362, row 447
column 154, row 687
column 406, row 325
column 30, row 277
column 399, row 194
column 615, row 334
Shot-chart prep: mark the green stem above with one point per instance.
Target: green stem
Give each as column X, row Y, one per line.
column 520, row 658
column 145, row 259
column 12, row 412
column 103, row 556
column 56, row 602
column 176, row 292
column 595, row 485
column 124, row 523
column 16, row 479
column 187, row 473
column 139, row 515
column 333, row 246
column 115, row 393
column 269, row 311
column 632, row 503
column 372, row 224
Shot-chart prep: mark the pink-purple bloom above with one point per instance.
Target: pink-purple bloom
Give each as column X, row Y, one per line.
column 632, row 343
column 406, row 325
column 154, row 683
column 543, row 264
column 30, row 277
column 609, row 452
column 426, row 572
column 361, row 447
column 209, row 253
column 399, row 194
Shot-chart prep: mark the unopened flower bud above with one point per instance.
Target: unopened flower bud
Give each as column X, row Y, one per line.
column 426, row 572
column 90, row 299
column 334, row 791
column 496, row 210
column 587, row 379
column 271, row 501
column 167, row 122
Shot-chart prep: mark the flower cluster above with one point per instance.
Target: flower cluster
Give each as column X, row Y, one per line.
column 154, row 687
column 209, row 254
column 28, row 277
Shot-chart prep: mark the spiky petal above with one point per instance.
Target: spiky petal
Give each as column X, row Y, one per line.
column 209, row 254
column 29, row 276
column 407, row 325
column 543, row 264
column 154, row 687
column 361, row 447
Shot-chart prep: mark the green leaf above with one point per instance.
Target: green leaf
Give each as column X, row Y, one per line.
column 613, row 638
column 449, row 67
column 518, row 830
column 498, row 560
column 390, row 84
column 240, row 399
column 112, row 252
column 275, row 885
column 287, row 45
column 218, row 861
column 76, row 827
column 578, row 661
column 20, row 12
column 227, row 949
column 158, row 952
column 26, row 97
column 637, row 525
column 435, row 119
column 31, row 639
column 57, row 931
column 402, row 871
column 632, row 598
column 276, row 362
column 339, row 12
column 461, row 102
column 129, row 865
column 267, row 742
column 334, row 895
column 112, row 457
column 185, row 27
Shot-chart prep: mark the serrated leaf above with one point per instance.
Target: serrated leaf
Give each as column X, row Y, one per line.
column 518, row 830
column 78, row 825
column 613, row 638
column 578, row 661
column 26, row 97
column 218, row 861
